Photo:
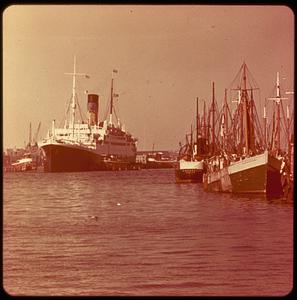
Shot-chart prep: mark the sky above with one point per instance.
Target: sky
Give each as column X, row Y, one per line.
column 166, row 57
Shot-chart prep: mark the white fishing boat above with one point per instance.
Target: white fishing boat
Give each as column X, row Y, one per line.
column 190, row 165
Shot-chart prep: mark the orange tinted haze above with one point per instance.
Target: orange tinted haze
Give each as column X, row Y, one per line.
column 166, row 57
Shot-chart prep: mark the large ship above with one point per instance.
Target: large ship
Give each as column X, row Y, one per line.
column 90, row 145
column 250, row 167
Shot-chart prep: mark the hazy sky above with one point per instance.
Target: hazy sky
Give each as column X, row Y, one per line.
column 166, row 57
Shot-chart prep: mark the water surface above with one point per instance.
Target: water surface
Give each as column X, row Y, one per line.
column 140, row 233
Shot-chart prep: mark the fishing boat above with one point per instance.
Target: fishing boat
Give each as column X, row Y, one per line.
column 190, row 165
column 91, row 145
column 250, row 168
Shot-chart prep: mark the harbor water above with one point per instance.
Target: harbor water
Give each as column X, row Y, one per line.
column 140, row 233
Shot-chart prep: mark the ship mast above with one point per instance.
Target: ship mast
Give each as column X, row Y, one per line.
column 213, row 118
column 73, row 99
column 245, row 112
column 111, row 96
column 277, row 101
column 30, row 136
column 225, row 121
column 204, row 119
column 226, row 112
column 197, row 122
column 111, row 102
column 265, row 126
column 288, row 127
column 191, row 143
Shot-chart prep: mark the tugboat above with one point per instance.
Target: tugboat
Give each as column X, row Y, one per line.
column 88, row 145
column 251, row 168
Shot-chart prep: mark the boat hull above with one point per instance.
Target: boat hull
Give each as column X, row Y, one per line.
column 189, row 171
column 191, row 175
column 159, row 164
column 256, row 175
column 63, row 158
column 68, row 158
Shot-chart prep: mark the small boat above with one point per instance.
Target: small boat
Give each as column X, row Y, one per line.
column 189, row 171
column 190, row 166
column 159, row 161
column 23, row 164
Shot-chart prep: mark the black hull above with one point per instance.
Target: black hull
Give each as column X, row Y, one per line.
column 262, row 179
column 63, row 158
column 188, row 175
column 259, row 180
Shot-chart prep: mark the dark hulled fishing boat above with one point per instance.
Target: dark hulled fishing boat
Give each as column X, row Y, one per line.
column 258, row 174
column 91, row 145
column 251, row 168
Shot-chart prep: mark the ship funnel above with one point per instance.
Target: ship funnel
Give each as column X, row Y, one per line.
column 93, row 107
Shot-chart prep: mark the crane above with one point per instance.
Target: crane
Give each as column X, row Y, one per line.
column 36, row 134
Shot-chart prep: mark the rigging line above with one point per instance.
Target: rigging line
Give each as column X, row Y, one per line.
column 258, row 124
column 116, row 115
column 80, row 112
column 284, row 129
column 235, row 78
column 250, row 76
column 107, row 110
column 283, row 120
column 114, row 108
column 67, row 107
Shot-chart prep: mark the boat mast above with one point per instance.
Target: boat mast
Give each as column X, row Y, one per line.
column 111, row 96
column 204, row 118
column 251, row 124
column 226, row 112
column 225, row 116
column 111, row 103
column 73, row 99
column 277, row 101
column 213, row 118
column 288, row 127
column 278, row 112
column 30, row 136
column 288, row 131
column 265, row 126
column 191, row 140
column 245, row 112
column 197, row 122
column 240, row 108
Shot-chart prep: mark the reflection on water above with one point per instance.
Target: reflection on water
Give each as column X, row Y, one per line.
column 139, row 233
